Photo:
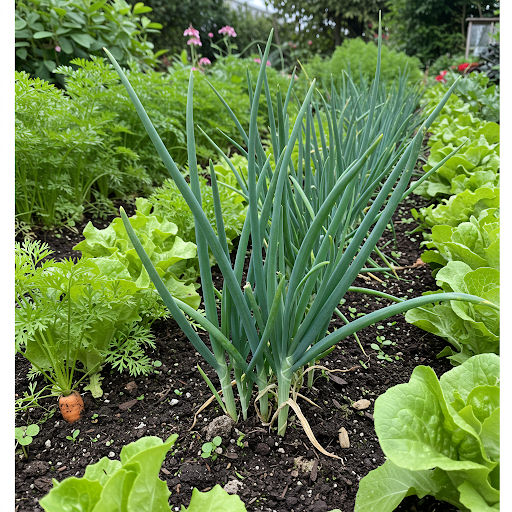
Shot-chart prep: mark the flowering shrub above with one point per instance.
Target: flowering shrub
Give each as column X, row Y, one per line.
column 227, row 32
column 441, row 77
column 259, row 61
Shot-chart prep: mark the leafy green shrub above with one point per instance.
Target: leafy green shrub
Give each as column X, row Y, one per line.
column 471, row 329
column 450, row 424
column 50, row 33
column 112, row 250
column 132, row 481
column 68, row 312
column 476, row 242
column 361, row 58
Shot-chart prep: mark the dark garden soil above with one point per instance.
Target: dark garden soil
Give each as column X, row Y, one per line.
column 275, row 474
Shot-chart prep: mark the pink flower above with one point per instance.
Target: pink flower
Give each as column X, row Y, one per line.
column 289, row 43
column 294, row 46
column 258, row 61
column 268, row 63
column 57, row 48
column 195, row 69
column 229, row 31
column 210, row 34
column 443, row 73
column 310, row 42
column 195, row 41
column 191, row 31
column 204, row 61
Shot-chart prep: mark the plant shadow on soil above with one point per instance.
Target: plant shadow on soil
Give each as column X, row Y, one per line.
column 277, row 474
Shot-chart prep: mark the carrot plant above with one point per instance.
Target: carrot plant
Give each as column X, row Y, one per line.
column 272, row 326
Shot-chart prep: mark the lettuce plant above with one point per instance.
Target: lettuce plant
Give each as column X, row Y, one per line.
column 131, row 483
column 476, row 242
column 469, row 328
column 459, row 208
column 172, row 257
column 168, row 203
column 474, row 166
column 274, row 317
column 451, row 425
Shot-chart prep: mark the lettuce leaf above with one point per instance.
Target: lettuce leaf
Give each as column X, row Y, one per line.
column 475, row 242
column 215, row 500
column 126, row 485
column 470, row 329
column 459, row 208
column 429, row 423
column 173, row 258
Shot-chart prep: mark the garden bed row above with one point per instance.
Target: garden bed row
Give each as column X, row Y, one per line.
column 273, row 473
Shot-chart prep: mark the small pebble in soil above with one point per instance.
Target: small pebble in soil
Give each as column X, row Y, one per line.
column 174, row 401
column 111, row 454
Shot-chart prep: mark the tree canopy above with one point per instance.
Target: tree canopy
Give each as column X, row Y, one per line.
column 428, row 29
column 329, row 22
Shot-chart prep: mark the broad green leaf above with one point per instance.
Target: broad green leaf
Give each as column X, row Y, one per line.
column 116, row 490
column 84, row 40
column 65, row 45
column 480, row 370
column 73, row 495
column 384, row 488
column 147, row 494
column 490, row 435
column 484, row 400
column 407, row 415
column 215, row 500
column 22, row 53
column 473, row 500
column 20, row 24
column 42, row 34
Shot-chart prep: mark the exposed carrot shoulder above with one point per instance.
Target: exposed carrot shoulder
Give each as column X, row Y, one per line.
column 71, row 407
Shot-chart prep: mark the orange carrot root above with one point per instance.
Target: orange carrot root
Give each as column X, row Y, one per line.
column 71, row 407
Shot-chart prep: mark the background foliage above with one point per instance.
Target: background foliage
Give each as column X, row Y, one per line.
column 50, row 33
column 428, row 29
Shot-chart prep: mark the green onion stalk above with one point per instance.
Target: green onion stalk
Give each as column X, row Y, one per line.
column 300, row 267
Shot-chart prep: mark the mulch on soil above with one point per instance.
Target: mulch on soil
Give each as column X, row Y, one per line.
column 276, row 474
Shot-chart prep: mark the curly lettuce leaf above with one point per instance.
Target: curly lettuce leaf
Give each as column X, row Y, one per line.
column 476, row 242
column 459, row 208
column 172, row 257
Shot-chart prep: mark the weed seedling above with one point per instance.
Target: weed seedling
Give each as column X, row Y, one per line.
column 73, row 436
column 25, row 435
column 379, row 348
column 208, row 449
column 240, row 440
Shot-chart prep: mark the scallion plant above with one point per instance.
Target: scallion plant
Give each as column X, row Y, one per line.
column 275, row 324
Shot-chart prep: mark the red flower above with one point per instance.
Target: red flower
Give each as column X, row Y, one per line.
column 462, row 67
column 443, row 73
column 441, row 79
